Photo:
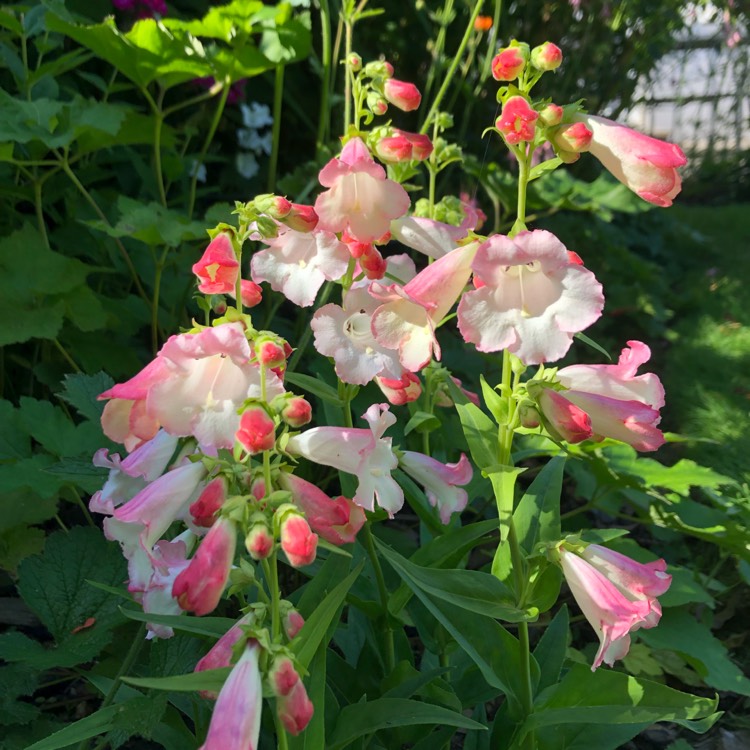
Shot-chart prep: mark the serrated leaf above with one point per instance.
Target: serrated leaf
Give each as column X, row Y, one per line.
column 18, row 543
column 81, row 391
column 54, row 586
column 14, row 442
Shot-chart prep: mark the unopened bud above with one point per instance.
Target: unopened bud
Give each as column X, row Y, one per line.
column 576, row 138
column 376, row 103
column 379, row 69
column 250, row 293
column 299, row 543
column 259, row 541
column 354, row 61
column 546, row 57
column 203, row 511
column 373, row 264
column 529, row 416
column 508, row 63
column 551, row 115
column 257, row 431
column 301, row 218
column 276, row 206
column 270, row 353
column 293, row 623
column 297, row 412
column 402, row 94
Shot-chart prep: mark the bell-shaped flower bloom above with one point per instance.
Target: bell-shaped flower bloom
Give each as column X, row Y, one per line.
column 199, row 587
column 337, row 520
column 410, row 314
column 168, row 560
column 433, row 238
column 360, row 199
column 365, row 453
column 517, row 121
column 616, row 595
column 196, row 384
column 442, row 482
column 646, row 165
column 532, row 298
column 345, row 333
column 617, row 402
column 400, row 391
column 402, row 94
column 218, row 268
column 298, row 263
column 563, row 418
column 128, row 476
column 235, row 723
column 140, row 522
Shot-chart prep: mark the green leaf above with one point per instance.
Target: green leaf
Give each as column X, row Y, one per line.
column 608, row 697
column 551, row 648
column 679, row 631
column 211, row 626
column 312, row 385
column 537, row 516
column 316, row 626
column 479, row 431
column 210, row 680
column 18, row 543
column 385, row 713
column 592, row 344
column 422, row 421
column 53, row 585
column 544, row 167
column 503, row 480
column 14, row 442
column 497, row 405
column 471, row 590
column 99, row 722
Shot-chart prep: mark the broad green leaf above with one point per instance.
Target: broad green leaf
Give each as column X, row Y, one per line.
column 422, row 421
column 679, row 631
column 209, row 680
column 544, row 167
column 211, row 626
column 446, row 550
column 16, row 681
column 53, row 585
column 537, row 516
column 609, row 697
column 99, row 722
column 587, row 736
column 18, row 543
column 19, row 505
column 314, row 630
column 14, row 441
column 312, row 385
column 503, row 480
column 386, row 713
column 551, row 648
column 471, row 590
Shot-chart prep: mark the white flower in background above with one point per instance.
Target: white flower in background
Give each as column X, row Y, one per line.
column 255, row 116
column 247, row 164
column 252, row 142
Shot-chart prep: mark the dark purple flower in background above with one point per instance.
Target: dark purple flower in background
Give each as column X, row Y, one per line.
column 236, row 90
column 142, row 8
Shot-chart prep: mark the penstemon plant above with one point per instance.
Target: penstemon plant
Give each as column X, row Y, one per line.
column 222, row 491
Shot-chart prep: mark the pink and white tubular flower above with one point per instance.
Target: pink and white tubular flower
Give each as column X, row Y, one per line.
column 360, row 199
column 196, row 384
column 517, row 121
column 235, row 723
column 337, row 520
column 345, row 333
column 128, row 476
column 533, row 298
column 409, row 315
column 400, row 391
column 618, row 403
column 433, row 238
column 139, row 523
column 217, row 270
column 298, row 263
column 442, row 482
column 365, row 453
column 199, row 587
column 617, row 596
column 646, row 165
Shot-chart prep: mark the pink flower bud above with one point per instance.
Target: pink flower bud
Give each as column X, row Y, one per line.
column 297, row 412
column 298, row 541
column 258, row 488
column 257, row 430
column 551, row 115
column 301, row 218
column 576, row 138
column 379, row 69
column 400, row 391
column 283, row 676
column 373, row 264
column 293, row 623
column 388, row 69
column 251, row 293
column 259, row 541
column 276, row 206
column 219, row 305
column 401, row 94
column 517, row 120
column 376, row 103
column 199, row 587
column 295, row 709
column 217, row 270
column 546, row 56
column 209, row 502
column 565, row 419
column 529, row 416
column 509, row 63
column 421, row 145
column 394, row 148
column 354, row 61
column 270, row 353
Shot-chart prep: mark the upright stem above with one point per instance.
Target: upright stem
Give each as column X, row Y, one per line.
column 437, row 50
column 278, row 95
column 325, row 55
column 349, row 29
column 38, row 206
column 155, row 304
column 452, row 70
column 390, row 650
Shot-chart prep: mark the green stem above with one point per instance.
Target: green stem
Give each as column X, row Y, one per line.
column 452, row 69
column 125, row 667
column 155, row 304
column 102, row 216
column 158, row 123
column 40, row 212
column 369, row 544
column 437, row 50
column 278, row 96
column 325, row 54
column 60, row 348
column 349, row 29
column 206, row 144
column 523, row 182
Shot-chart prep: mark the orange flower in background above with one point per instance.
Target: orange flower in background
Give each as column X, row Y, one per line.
column 483, row 23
